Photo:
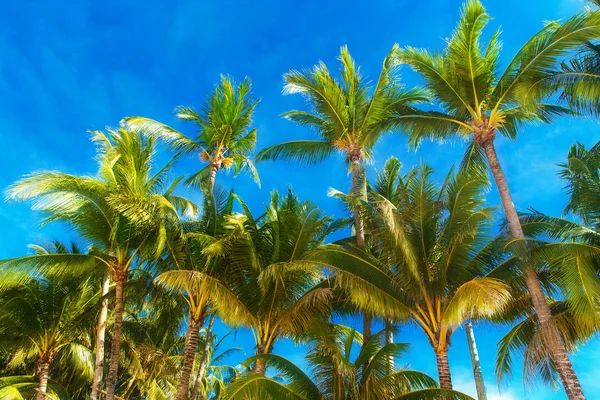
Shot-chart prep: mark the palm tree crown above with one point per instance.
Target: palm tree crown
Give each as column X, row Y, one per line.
column 349, row 115
column 478, row 100
column 475, row 96
column 267, row 271
column 225, row 136
column 426, row 264
column 46, row 322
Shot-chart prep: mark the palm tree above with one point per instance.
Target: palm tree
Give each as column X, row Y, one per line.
column 348, row 118
column 21, row 269
column 582, row 175
column 200, row 279
column 212, row 373
column 474, row 354
column 393, row 186
column 336, row 376
column 100, row 338
column 527, row 338
column 279, row 291
column 576, row 82
column 46, row 320
column 152, row 347
column 431, row 264
column 225, row 138
column 564, row 254
column 121, row 212
column 478, row 100
column 27, row 386
column 204, row 358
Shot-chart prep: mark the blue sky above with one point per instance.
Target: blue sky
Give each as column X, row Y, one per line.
column 67, row 68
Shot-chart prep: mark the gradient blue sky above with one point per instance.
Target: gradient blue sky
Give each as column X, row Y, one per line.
column 73, row 66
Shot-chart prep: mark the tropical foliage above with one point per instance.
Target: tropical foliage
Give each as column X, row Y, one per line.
column 158, row 281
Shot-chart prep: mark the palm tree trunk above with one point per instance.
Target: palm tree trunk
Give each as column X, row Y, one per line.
column 189, row 354
column 554, row 341
column 212, row 178
column 477, row 375
column 356, row 190
column 100, row 336
column 204, row 359
column 359, row 226
column 389, row 339
column 119, row 278
column 187, row 331
column 443, row 370
column 260, row 366
column 44, row 371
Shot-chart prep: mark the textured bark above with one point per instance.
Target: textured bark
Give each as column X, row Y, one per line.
column 204, row 358
column 367, row 328
column 115, row 347
column 389, row 339
column 212, row 177
column 44, row 370
column 477, row 375
column 356, row 190
column 100, row 337
column 556, row 346
column 443, row 370
column 260, row 366
column 183, row 387
column 187, row 331
column 359, row 226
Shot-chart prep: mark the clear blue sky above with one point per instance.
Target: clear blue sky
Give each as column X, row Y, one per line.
column 69, row 67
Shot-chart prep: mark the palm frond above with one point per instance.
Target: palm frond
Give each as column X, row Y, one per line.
column 304, row 151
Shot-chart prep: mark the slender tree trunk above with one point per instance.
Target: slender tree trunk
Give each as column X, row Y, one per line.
column 204, row 359
column 189, row 354
column 189, row 323
column 359, row 226
column 212, row 178
column 119, row 278
column 100, row 337
column 260, row 366
column 44, row 371
column 389, row 339
column 367, row 328
column 443, row 370
column 477, row 375
column 554, row 341
column 357, row 189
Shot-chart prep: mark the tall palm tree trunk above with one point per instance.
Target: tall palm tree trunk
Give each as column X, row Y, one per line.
column 119, row 278
column 44, row 371
column 477, row 375
column 260, row 366
column 183, row 387
column 100, row 336
column 356, row 190
column 443, row 370
column 389, row 339
column 212, row 178
column 204, row 359
column 554, row 341
column 359, row 226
